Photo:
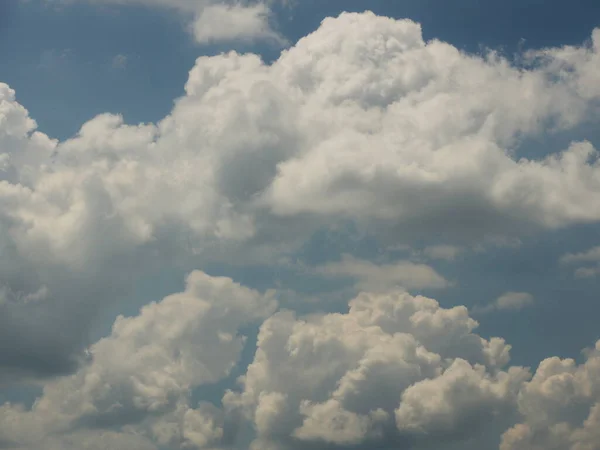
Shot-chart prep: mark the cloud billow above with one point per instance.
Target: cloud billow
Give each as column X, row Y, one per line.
column 361, row 120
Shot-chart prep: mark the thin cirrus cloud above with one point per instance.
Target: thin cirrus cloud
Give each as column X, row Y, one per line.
column 362, row 121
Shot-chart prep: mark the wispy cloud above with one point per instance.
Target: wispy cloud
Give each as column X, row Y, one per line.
column 377, row 277
column 589, row 262
column 509, row 301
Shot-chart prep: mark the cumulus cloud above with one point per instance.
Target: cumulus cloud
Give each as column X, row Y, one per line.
column 138, row 380
column 560, row 407
column 383, row 277
column 412, row 121
column 360, row 120
column 575, row 66
column 221, row 22
column 322, row 109
column 394, row 369
column 509, row 301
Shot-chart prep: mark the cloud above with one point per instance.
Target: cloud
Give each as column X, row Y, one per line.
column 139, row 378
column 591, row 256
column 360, row 121
column 395, row 370
column 576, row 66
column 514, row 301
column 587, row 272
column 372, row 277
column 221, row 22
column 560, row 407
column 213, row 21
column 400, row 179
column 509, row 301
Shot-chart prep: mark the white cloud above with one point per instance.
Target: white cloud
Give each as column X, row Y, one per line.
column 391, row 369
column 509, row 301
column 560, row 407
column 138, row 379
column 224, row 164
column 575, row 66
column 221, row 22
column 463, row 397
column 361, row 120
column 218, row 20
column 373, row 277
column 514, row 301
column 394, row 370
column 416, row 107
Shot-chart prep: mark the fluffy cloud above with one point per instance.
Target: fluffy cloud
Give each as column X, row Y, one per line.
column 560, row 406
column 411, row 135
column 395, row 368
column 575, row 66
column 138, row 380
column 436, row 124
column 361, row 120
column 221, row 22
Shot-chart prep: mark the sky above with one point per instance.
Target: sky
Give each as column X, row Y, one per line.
column 286, row 225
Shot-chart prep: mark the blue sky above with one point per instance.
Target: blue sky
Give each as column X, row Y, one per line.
column 261, row 170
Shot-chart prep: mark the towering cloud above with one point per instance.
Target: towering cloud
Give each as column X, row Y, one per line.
column 395, row 368
column 360, row 120
column 560, row 406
